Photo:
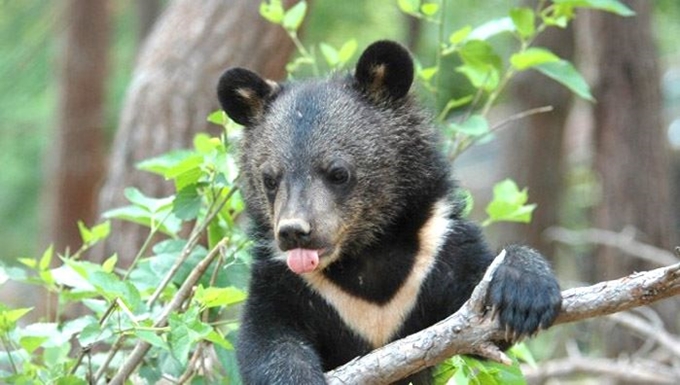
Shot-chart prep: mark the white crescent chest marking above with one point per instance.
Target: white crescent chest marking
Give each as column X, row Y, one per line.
column 378, row 323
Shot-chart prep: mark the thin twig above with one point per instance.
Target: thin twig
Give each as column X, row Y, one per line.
column 189, row 247
column 623, row 241
column 184, row 292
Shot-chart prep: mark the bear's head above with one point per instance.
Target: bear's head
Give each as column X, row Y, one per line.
column 330, row 166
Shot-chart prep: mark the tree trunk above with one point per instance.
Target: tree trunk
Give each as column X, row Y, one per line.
column 75, row 164
column 173, row 91
column 632, row 158
column 540, row 163
column 147, row 12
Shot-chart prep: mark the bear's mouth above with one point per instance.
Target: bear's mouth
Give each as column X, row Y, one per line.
column 301, row 261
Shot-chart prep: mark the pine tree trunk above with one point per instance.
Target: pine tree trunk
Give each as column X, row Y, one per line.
column 632, row 158
column 76, row 159
column 173, row 91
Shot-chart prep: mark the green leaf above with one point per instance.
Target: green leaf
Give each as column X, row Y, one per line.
column 521, row 352
column 205, row 144
column 560, row 16
column 9, row 317
column 162, row 164
column 489, row 372
column 46, row 258
column 613, row 6
column 218, row 117
column 532, row 57
column 219, row 296
column 427, row 73
column 93, row 333
column 74, row 274
column 70, row 380
column 272, row 11
column 152, row 338
column 347, row 50
column 409, row 6
column 31, row 343
column 110, row 263
column 95, row 234
column 509, row 204
column 294, row 16
column 455, row 103
column 111, row 287
column 492, row 28
column 170, row 226
column 475, row 126
column 330, row 54
column 481, row 64
column 29, row 262
column 185, row 330
column 565, row 73
column 217, row 339
column 187, row 203
column 460, row 35
column 429, row 9
column 523, row 19
column 152, row 205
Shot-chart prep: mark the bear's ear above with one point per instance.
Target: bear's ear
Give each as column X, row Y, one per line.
column 243, row 94
column 385, row 69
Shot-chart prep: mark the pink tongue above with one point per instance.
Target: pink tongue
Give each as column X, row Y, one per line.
column 303, row 260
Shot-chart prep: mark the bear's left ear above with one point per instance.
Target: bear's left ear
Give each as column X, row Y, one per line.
column 243, row 95
column 385, row 69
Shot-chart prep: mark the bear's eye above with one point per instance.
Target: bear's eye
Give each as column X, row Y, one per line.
column 270, row 182
column 338, row 174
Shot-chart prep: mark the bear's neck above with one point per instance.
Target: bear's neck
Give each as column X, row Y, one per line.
column 376, row 273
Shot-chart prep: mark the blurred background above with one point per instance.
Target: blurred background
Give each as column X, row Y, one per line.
column 90, row 88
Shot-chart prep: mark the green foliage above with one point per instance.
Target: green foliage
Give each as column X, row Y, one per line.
column 509, row 204
column 462, row 370
column 124, row 303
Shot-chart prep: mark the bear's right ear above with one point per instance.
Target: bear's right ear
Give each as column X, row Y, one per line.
column 385, row 69
column 243, row 95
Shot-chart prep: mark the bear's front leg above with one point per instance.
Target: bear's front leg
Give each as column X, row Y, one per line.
column 277, row 356
column 524, row 293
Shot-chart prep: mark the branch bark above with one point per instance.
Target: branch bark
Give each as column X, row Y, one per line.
column 471, row 330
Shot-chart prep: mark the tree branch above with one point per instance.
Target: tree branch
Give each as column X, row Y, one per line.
column 471, row 330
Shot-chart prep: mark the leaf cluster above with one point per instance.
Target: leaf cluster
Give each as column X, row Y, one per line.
column 122, row 303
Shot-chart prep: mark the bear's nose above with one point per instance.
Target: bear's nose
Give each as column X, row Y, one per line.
column 293, row 233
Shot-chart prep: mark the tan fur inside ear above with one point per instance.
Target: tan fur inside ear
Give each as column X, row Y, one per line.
column 379, row 72
column 249, row 97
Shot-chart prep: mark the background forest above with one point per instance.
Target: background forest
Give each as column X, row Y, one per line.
column 92, row 88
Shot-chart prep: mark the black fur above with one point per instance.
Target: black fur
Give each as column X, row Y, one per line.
column 349, row 167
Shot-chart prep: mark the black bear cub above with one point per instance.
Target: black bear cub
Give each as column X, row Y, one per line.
column 359, row 238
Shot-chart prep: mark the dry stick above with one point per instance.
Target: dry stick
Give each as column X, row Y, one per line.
column 142, row 347
column 470, row 331
column 628, row 371
column 623, row 241
column 657, row 334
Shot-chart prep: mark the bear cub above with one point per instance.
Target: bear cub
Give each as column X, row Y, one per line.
column 358, row 236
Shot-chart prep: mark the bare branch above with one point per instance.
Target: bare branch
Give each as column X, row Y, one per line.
column 623, row 241
column 649, row 331
column 646, row 372
column 470, row 331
